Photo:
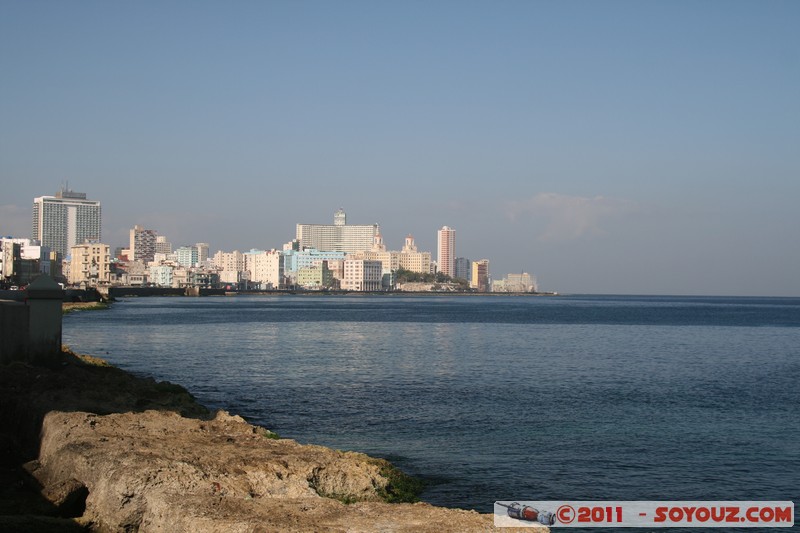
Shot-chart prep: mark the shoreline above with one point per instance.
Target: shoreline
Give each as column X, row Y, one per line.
column 103, row 449
column 127, row 292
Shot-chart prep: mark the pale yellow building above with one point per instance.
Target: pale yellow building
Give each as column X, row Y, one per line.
column 89, row 264
column 230, row 266
column 408, row 258
column 413, row 260
column 480, row 275
column 265, row 268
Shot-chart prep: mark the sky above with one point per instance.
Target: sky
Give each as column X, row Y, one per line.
column 615, row 147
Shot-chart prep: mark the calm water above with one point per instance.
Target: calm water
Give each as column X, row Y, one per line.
column 507, row 398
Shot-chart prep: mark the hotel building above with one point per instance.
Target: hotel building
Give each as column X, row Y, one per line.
column 65, row 220
column 338, row 237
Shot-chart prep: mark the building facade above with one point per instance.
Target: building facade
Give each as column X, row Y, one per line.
column 142, row 244
column 446, row 259
column 65, row 220
column 522, row 282
column 480, row 275
column 230, row 266
column 413, row 260
column 264, row 268
column 362, row 275
column 231, row 261
column 294, row 261
column 161, row 275
column 187, row 256
column 463, row 268
column 337, row 237
column 202, row 252
column 163, row 246
column 22, row 260
column 90, row 264
column 315, row 277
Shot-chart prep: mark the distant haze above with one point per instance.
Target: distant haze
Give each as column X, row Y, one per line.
column 604, row 147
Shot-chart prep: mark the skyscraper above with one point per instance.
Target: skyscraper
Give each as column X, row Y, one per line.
column 447, row 251
column 65, row 220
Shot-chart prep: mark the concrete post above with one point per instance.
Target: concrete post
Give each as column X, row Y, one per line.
column 44, row 297
column 13, row 331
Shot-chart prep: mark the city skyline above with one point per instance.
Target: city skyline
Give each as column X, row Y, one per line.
column 618, row 147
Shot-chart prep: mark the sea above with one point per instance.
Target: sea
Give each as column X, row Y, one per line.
column 486, row 398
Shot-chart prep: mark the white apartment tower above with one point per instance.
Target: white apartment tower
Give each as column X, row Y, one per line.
column 447, row 251
column 65, row 220
column 338, row 237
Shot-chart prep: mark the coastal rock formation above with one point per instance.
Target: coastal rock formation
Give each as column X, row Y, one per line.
column 128, row 454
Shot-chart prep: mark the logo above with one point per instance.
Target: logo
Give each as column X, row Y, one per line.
column 650, row 514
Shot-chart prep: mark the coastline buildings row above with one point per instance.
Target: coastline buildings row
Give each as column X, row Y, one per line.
column 66, row 243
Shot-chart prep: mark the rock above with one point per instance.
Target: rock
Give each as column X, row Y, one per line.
column 122, row 453
column 158, row 471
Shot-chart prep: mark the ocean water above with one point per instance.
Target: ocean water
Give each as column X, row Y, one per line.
column 496, row 398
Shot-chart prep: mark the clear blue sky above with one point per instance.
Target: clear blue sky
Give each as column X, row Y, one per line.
column 606, row 147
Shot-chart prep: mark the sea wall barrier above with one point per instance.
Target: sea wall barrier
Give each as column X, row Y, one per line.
column 31, row 328
column 120, row 292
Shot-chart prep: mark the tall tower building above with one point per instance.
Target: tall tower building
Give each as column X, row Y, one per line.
column 142, row 244
column 65, row 220
column 447, row 251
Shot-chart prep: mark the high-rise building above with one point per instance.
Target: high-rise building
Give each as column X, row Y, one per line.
column 463, row 268
column 480, row 275
column 338, row 237
column 142, row 244
column 187, row 256
column 163, row 246
column 447, row 251
column 202, row 252
column 65, row 220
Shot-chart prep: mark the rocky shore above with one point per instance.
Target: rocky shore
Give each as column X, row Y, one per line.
column 87, row 446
